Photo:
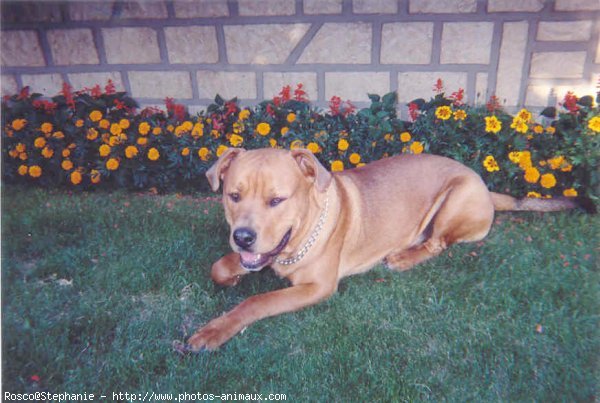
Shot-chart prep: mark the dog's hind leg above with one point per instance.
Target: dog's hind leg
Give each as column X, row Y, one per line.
column 228, row 271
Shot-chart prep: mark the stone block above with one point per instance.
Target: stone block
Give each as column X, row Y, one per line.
column 9, row 84
column 442, row 6
column 144, row 9
column 322, row 6
column 545, row 94
column 160, row 84
column 46, row 84
column 563, row 31
column 21, row 48
column 266, row 7
column 500, row 6
column 413, row 85
column 481, row 89
column 356, row 85
column 194, row 44
column 274, row 82
column 91, row 10
column 340, row 43
column 200, row 8
column 577, row 5
column 466, row 42
column 375, row 6
column 80, row 81
column 131, row 45
column 557, row 64
column 407, row 43
column 262, row 43
column 72, row 46
column 227, row 84
column 512, row 58
column 31, row 11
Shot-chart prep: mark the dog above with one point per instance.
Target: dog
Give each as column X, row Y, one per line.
column 315, row 227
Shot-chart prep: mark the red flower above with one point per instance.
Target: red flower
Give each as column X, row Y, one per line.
column 231, row 108
column 270, row 110
column 109, row 89
column 335, row 104
column 570, row 102
column 413, row 111
column 458, row 97
column 177, row 110
column 66, row 92
column 349, row 109
column 96, row 92
column 35, row 378
column 439, row 86
column 493, row 104
column 285, row 93
column 47, row 106
column 24, row 93
column 300, row 94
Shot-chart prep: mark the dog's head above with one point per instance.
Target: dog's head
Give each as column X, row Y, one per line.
column 267, row 195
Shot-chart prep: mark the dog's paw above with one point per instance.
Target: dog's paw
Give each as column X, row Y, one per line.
column 211, row 336
column 398, row 262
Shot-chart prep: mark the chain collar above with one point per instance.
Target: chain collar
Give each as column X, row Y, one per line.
column 311, row 240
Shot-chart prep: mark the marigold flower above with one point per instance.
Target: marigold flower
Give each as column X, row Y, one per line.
column 104, row 150
column 492, row 124
column 570, row 192
column 39, row 142
column 79, row 123
column 46, row 128
column 244, row 114
column 515, row 156
column 35, row 171
column 203, row 153
column 131, row 151
column 235, row 140
column 18, row 124
column 198, row 130
column 490, row 164
column 115, row 129
column 47, row 152
column 273, row 143
column 532, row 175
column 144, row 128
column 594, row 124
column 284, row 130
column 534, row 195
column 519, row 125
column 13, row 153
column 343, row 145
column 23, row 169
column 185, row 151
column 296, row 144
column 221, row 149
column 550, row 129
column 95, row 176
column 124, row 123
column 524, row 115
column 556, row 162
column 157, row 131
column 112, row 164
column 263, row 128
column 142, row 141
column 92, row 134
column 153, row 154
column 291, row 117
column 76, row 177
column 95, row 116
column 104, row 124
column 67, row 165
column 405, row 137
column 548, row 181
column 354, row 158
column 58, row 135
column 460, row 115
column 525, row 160
column 66, row 152
column 538, row 129
column 23, row 156
column 443, row 112
column 337, row 166
column 416, row 147
column 20, row 147
column 313, row 147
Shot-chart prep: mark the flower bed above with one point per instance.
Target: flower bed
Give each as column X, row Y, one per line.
column 95, row 139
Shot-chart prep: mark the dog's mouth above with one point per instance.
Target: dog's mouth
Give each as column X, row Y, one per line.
column 256, row 261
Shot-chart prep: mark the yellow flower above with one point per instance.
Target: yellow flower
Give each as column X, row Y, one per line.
column 112, row 164
column 203, row 153
column 104, row 124
column 35, row 171
column 79, row 123
column 47, row 152
column 594, row 124
column 221, row 149
column 95, row 176
column 291, row 117
column 142, row 141
column 185, row 152
column 284, row 130
column 416, row 147
column 23, row 169
column 524, row 115
column 515, row 156
column 525, row 160
column 570, row 192
column 144, row 128
column 236, row 140
column 273, row 143
column 534, row 195
column 95, row 116
column 556, row 162
column 244, row 114
column 354, row 158
column 198, row 130
column 490, row 164
column 131, row 151
column 18, row 124
column 124, row 123
column 67, row 165
column 343, row 145
column 532, row 175
column 519, row 125
column 40, row 142
column 460, row 115
column 153, row 154
column 492, row 124
column 548, row 181
column 538, row 129
column 443, row 112
column 337, row 166
column 92, row 134
column 566, row 167
column 263, row 128
column 313, row 148
column 550, row 129
column 46, row 128
column 405, row 137
column 104, row 150
column 115, row 129
column 296, row 144
column 66, row 153
column 76, row 177
column 113, row 141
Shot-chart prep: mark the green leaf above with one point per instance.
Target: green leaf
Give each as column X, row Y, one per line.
column 374, row 97
column 549, row 112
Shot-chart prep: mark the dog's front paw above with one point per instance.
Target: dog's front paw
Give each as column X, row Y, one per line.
column 214, row 334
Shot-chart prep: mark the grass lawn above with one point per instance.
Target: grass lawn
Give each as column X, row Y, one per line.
column 97, row 287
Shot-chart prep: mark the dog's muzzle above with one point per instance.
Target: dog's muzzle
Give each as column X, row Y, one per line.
column 256, row 261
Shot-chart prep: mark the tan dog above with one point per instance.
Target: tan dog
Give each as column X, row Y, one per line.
column 314, row 227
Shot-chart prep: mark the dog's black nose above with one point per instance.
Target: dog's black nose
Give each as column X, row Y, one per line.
column 244, row 237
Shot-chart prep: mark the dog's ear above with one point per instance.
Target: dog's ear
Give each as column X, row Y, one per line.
column 312, row 168
column 217, row 171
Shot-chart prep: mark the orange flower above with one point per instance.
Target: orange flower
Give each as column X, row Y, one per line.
column 92, row 134
column 76, row 177
column 67, row 165
column 313, row 148
column 221, row 149
column 153, row 154
column 343, row 145
column 354, row 158
column 337, row 166
column 23, row 169
column 185, row 152
column 95, row 176
column 131, row 151
column 47, row 152
column 112, row 164
column 203, row 153
column 416, row 147
column 18, row 124
column 95, row 116
column 40, row 142
column 548, row 181
column 263, row 128
column 46, row 128
column 532, row 174
column 104, row 150
column 405, row 137
column 144, row 128
column 35, row 171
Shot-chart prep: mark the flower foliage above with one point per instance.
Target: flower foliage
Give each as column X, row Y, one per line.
column 95, row 138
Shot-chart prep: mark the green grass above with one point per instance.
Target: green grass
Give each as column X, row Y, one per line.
column 96, row 287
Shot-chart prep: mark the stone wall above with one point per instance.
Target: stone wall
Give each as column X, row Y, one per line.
column 527, row 52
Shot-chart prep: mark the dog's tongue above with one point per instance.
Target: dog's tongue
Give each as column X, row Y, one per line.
column 250, row 257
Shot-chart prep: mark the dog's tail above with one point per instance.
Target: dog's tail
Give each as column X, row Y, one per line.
column 503, row 202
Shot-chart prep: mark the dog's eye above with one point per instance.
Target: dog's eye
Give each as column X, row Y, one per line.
column 276, row 201
column 235, row 197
